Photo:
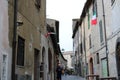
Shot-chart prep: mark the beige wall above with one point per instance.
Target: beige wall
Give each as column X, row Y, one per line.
column 33, row 25
column 97, row 46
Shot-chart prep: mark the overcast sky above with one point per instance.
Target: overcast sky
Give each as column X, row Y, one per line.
column 64, row 11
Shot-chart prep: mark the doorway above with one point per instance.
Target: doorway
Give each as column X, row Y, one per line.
column 50, row 64
column 43, row 61
column 91, row 66
column 118, row 59
column 36, row 64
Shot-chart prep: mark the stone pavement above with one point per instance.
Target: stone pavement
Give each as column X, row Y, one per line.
column 71, row 77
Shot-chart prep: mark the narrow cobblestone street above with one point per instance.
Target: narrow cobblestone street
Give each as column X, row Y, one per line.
column 71, row 77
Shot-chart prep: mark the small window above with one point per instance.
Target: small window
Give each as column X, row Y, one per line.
column 4, row 58
column 20, row 51
column 97, row 57
column 88, row 20
column 4, row 67
column 81, row 49
column 90, row 43
column 112, row 2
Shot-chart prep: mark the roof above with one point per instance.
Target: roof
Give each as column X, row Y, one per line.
column 55, row 27
column 61, row 53
column 84, row 11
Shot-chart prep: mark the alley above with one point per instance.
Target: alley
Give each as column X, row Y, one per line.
column 44, row 39
column 71, row 77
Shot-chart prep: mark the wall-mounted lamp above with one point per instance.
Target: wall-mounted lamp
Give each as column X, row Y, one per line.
column 20, row 23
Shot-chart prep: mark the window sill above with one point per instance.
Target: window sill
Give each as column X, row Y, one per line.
column 20, row 66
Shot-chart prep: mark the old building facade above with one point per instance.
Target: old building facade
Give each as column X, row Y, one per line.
column 113, row 38
column 68, row 56
column 27, row 21
column 50, row 49
column 76, row 46
column 26, row 53
column 100, row 41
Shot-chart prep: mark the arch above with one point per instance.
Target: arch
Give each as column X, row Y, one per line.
column 118, row 57
column 91, row 66
column 118, row 39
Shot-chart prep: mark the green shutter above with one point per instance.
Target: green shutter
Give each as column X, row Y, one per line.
column 104, row 68
column 88, row 20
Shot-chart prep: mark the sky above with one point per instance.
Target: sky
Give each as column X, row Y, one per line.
column 64, row 11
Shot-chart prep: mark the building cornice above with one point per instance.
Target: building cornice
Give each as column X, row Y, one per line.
column 84, row 11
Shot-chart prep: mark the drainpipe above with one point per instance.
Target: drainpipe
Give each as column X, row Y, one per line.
column 14, row 41
column 78, row 52
column 105, row 38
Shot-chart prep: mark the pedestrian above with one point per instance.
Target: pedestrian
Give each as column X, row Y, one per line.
column 59, row 71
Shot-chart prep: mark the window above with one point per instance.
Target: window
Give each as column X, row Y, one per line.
column 20, row 51
column 104, row 67
column 4, row 67
column 112, row 2
column 38, row 4
column 50, row 62
column 81, row 49
column 90, row 43
column 95, row 7
column 84, row 44
column 97, row 56
column 88, row 20
column 101, row 31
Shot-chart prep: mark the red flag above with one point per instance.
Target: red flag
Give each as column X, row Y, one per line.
column 47, row 34
column 94, row 19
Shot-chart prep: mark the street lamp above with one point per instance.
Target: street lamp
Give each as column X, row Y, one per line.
column 19, row 23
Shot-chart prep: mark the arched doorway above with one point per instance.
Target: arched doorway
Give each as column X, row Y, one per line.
column 91, row 66
column 118, row 58
column 50, row 64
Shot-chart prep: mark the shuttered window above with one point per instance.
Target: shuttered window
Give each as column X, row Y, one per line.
column 101, row 31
